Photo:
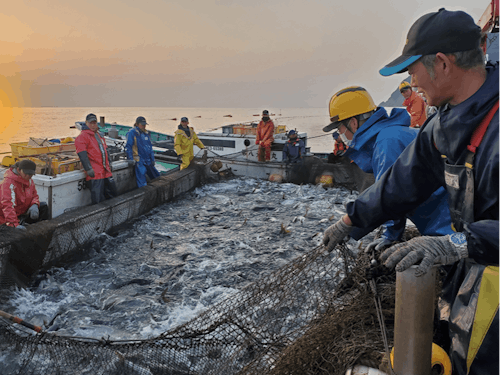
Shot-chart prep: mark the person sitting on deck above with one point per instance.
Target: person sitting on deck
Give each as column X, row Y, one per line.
column 184, row 139
column 265, row 133
column 140, row 152
column 19, row 202
column 294, row 149
column 415, row 105
column 92, row 151
column 375, row 140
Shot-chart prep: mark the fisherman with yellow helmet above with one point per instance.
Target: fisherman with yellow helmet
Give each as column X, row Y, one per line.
column 414, row 104
column 375, row 141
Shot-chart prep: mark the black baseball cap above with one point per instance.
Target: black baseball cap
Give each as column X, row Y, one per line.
column 91, row 117
column 442, row 31
column 27, row 166
column 265, row 112
column 141, row 120
column 184, row 119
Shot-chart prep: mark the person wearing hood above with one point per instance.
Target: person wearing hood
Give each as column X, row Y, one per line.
column 415, row 105
column 265, row 137
column 140, row 152
column 458, row 149
column 92, row 151
column 294, row 149
column 19, row 202
column 184, row 139
column 374, row 141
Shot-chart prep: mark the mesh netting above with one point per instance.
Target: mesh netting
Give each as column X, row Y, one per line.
column 314, row 315
column 257, row 330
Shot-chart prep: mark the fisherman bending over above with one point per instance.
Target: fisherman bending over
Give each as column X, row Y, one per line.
column 19, row 200
column 140, row 152
column 92, row 150
column 457, row 149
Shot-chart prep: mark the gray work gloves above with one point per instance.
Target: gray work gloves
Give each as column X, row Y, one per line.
column 379, row 244
column 33, row 212
column 430, row 251
column 335, row 234
column 90, row 173
column 204, row 158
column 22, row 227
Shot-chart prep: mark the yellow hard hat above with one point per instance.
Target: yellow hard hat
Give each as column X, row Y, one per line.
column 439, row 360
column 8, row 160
column 404, row 85
column 347, row 103
column 68, row 140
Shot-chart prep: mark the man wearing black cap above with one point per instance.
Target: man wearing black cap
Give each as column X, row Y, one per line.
column 265, row 137
column 140, row 152
column 92, row 150
column 184, row 139
column 458, row 149
column 19, row 200
column 294, row 149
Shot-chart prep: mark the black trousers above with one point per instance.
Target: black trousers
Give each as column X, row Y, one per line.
column 102, row 189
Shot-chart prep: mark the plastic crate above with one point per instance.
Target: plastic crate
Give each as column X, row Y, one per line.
column 22, row 149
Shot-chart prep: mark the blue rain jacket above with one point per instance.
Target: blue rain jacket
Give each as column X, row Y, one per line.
column 419, row 171
column 375, row 147
column 294, row 150
column 139, row 147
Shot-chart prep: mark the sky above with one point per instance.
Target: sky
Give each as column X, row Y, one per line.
column 202, row 53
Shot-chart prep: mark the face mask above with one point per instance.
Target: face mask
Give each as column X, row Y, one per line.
column 265, row 119
column 344, row 139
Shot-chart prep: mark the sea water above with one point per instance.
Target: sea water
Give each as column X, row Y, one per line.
column 18, row 124
column 169, row 265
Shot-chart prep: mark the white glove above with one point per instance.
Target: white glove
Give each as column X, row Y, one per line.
column 335, row 234
column 429, row 250
column 33, row 212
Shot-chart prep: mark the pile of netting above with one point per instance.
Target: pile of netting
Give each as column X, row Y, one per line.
column 315, row 315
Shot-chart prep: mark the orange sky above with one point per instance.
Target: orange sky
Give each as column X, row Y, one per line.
column 201, row 53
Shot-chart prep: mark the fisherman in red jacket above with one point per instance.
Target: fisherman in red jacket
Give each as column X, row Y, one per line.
column 19, row 200
column 265, row 132
column 92, row 150
column 415, row 105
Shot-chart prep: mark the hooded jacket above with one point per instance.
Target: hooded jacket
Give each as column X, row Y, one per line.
column 139, row 146
column 16, row 196
column 375, row 147
column 96, row 151
column 265, row 133
column 419, row 171
column 415, row 106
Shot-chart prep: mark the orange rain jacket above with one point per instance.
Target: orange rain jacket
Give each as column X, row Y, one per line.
column 265, row 132
column 415, row 106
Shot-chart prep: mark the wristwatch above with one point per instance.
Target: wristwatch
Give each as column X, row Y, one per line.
column 459, row 242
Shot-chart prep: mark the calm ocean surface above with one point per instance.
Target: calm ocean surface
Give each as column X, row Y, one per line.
column 18, row 124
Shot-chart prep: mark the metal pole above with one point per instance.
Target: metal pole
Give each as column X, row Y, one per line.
column 413, row 326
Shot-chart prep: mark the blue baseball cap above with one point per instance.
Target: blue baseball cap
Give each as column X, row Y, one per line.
column 442, row 31
column 141, row 120
column 291, row 132
column 184, row 119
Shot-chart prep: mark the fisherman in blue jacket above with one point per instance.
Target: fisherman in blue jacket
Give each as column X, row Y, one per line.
column 457, row 149
column 294, row 149
column 140, row 150
column 375, row 140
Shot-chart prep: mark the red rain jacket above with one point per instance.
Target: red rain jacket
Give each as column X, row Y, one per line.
column 265, row 132
column 415, row 106
column 87, row 141
column 16, row 196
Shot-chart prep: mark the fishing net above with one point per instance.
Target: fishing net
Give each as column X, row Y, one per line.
column 314, row 315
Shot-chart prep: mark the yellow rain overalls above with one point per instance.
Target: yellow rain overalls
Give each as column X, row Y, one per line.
column 184, row 145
